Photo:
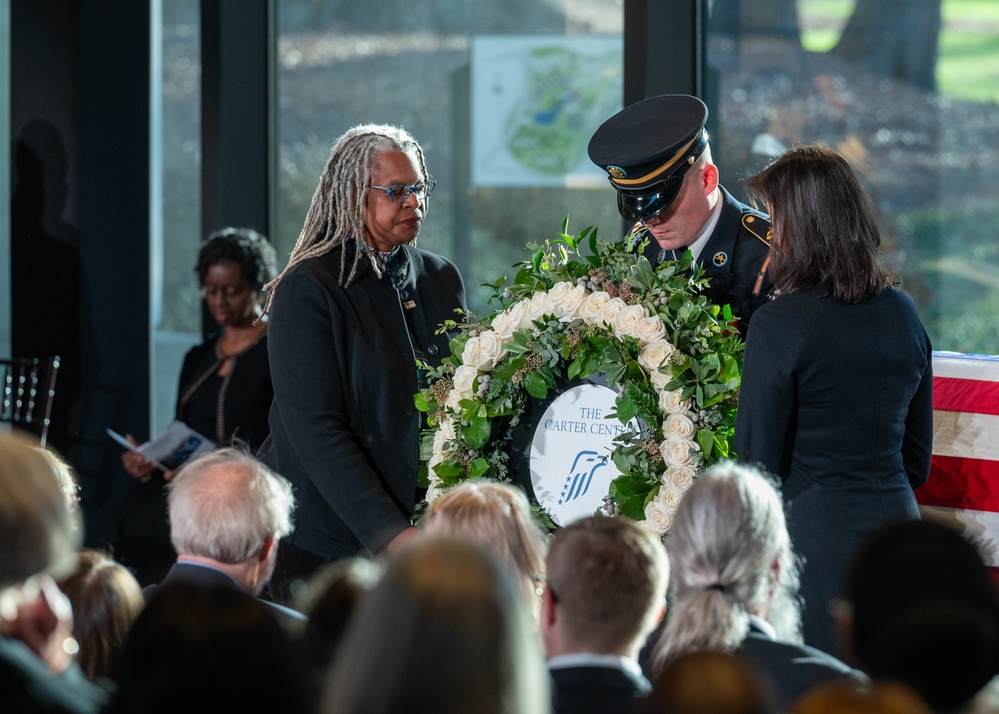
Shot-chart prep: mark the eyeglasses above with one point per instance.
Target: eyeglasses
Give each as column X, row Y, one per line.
column 400, row 191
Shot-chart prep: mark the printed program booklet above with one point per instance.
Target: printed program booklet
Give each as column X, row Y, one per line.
column 172, row 448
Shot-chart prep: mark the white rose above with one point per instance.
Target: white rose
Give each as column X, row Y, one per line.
column 471, row 353
column 670, row 498
column 655, row 355
column 568, row 309
column 659, row 379
column 557, row 294
column 672, row 402
column 483, row 351
column 625, row 320
column 657, row 518
column 453, row 400
column 511, row 320
column 521, row 314
column 493, row 348
column 464, row 378
column 678, row 425
column 440, row 439
column 446, row 427
column 649, row 329
column 433, row 491
column 538, row 306
column 590, row 310
column 677, row 451
column 680, row 477
column 504, row 325
column 610, row 310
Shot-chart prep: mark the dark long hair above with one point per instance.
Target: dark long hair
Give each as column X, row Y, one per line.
column 825, row 232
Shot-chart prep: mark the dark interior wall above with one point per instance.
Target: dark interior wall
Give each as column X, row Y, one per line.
column 46, row 270
column 80, row 218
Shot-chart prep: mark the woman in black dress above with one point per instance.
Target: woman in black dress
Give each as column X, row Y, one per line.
column 224, row 393
column 837, row 386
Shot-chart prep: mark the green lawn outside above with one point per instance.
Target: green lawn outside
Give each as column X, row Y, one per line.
column 968, row 66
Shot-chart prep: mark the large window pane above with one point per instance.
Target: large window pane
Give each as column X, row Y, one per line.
column 176, row 199
column 503, row 98
column 908, row 92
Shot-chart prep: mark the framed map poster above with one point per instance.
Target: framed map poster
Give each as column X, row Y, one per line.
column 536, row 101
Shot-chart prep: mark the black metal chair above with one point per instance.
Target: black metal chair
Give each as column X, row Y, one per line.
column 27, row 387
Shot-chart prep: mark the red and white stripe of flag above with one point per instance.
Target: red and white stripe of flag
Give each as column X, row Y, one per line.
column 963, row 487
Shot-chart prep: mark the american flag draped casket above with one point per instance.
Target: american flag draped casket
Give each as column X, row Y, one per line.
column 963, row 488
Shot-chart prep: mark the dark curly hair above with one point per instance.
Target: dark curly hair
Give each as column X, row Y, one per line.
column 250, row 249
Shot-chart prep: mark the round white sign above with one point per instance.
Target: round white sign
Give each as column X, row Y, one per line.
column 571, row 468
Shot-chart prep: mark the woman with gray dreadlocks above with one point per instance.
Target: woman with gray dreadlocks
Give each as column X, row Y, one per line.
column 356, row 306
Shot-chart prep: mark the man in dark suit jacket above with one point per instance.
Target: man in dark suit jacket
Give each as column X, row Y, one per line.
column 657, row 157
column 605, row 593
column 227, row 512
column 790, row 668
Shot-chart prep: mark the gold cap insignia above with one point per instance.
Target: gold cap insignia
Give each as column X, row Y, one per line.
column 616, row 171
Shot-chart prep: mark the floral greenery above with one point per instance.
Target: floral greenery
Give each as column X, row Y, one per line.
column 673, row 357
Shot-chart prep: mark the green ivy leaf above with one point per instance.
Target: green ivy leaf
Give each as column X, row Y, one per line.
column 535, row 385
column 478, row 467
column 476, row 433
column 573, row 370
column 706, row 440
column 629, row 494
column 626, row 408
column 507, row 368
column 449, row 472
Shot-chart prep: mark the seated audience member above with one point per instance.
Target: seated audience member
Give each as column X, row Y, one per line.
column 210, row 649
column 67, row 479
column 227, row 512
column 497, row 516
column 850, row 698
column 38, row 537
column 605, row 594
column 921, row 608
column 444, row 631
column 735, row 583
column 330, row 599
column 106, row 599
column 708, row 683
column 224, row 393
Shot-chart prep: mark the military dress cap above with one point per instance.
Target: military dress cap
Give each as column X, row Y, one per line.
column 647, row 148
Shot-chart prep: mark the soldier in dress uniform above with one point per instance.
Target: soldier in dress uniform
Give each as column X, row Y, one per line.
column 657, row 157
